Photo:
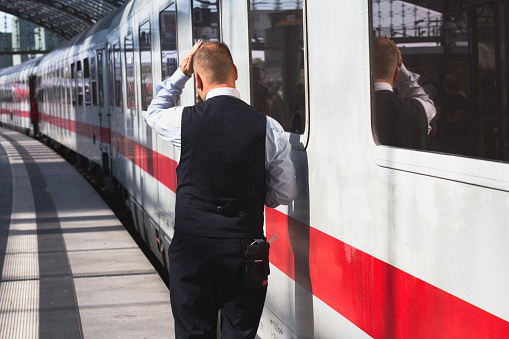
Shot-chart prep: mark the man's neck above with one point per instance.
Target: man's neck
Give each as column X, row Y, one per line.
column 386, row 81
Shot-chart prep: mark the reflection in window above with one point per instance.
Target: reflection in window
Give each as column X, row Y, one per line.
column 118, row 75
column 168, row 22
column 460, row 54
column 205, row 26
column 278, row 81
column 205, row 21
column 86, row 76
column 93, row 81
column 146, row 65
column 111, row 77
column 79, row 82
column 100, row 77
column 129, row 71
column 73, row 84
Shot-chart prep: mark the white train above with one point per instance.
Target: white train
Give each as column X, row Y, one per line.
column 382, row 241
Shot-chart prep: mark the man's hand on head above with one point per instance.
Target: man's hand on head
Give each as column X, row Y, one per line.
column 187, row 64
column 400, row 58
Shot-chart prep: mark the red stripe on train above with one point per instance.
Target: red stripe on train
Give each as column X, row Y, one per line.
column 18, row 113
column 380, row 299
column 90, row 131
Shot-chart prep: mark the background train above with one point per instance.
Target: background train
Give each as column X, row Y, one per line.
column 382, row 241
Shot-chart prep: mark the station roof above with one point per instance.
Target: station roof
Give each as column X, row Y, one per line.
column 65, row 18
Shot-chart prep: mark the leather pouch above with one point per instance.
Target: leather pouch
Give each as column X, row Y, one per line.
column 256, row 264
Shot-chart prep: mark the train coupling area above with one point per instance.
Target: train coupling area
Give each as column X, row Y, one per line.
column 68, row 267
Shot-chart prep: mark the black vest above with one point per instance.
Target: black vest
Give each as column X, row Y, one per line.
column 398, row 121
column 221, row 173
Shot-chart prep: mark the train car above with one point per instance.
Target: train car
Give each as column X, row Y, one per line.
column 382, row 241
column 17, row 107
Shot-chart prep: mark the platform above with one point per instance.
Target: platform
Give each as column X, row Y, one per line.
column 68, row 267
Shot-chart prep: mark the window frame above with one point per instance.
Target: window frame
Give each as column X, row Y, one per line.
column 161, row 11
column 141, row 82
column 484, row 173
column 297, row 141
column 118, row 106
column 130, row 95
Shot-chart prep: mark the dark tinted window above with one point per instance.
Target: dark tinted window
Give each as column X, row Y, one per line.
column 205, row 20
column 118, row 75
column 146, row 65
column 129, row 71
column 168, row 22
column 278, row 76
column 460, row 52
column 100, row 77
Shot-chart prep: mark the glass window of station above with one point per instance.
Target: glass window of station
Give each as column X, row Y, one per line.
column 457, row 54
column 278, row 75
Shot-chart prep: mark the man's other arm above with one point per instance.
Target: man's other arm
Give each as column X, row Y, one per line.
column 408, row 87
column 280, row 172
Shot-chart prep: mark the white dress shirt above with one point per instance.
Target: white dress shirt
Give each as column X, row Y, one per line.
column 408, row 87
column 166, row 118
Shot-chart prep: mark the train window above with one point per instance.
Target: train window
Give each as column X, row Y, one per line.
column 73, row 84
column 110, row 77
column 86, row 81
column 278, row 79
column 67, row 85
column 129, row 71
column 93, row 81
column 118, row 75
column 100, row 77
column 205, row 20
column 146, row 65
column 205, row 26
column 79, row 82
column 61, row 94
column 168, row 22
column 460, row 55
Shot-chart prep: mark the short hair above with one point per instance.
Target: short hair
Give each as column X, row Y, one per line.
column 214, row 62
column 385, row 58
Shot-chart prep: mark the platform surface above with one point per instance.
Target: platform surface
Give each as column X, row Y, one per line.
column 68, row 267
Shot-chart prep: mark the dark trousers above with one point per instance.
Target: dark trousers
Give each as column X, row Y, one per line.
column 205, row 277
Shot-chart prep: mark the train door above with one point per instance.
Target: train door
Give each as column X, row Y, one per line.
column 34, row 108
column 103, row 109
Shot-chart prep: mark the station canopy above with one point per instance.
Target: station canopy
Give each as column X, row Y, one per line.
column 65, row 18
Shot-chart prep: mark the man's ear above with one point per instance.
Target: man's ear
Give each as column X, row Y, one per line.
column 395, row 77
column 199, row 82
column 236, row 73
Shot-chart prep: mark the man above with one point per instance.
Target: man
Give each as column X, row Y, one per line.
column 233, row 160
column 400, row 120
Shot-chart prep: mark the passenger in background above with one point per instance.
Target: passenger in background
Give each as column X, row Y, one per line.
column 454, row 127
column 403, row 119
column 234, row 159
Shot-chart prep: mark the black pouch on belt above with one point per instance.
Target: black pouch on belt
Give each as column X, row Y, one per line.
column 256, row 264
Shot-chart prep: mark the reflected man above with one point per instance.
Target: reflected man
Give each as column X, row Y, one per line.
column 400, row 120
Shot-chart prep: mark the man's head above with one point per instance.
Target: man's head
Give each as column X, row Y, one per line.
column 213, row 66
column 386, row 60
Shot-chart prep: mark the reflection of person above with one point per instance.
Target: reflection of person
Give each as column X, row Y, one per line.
column 261, row 95
column 278, row 108
column 297, row 108
column 233, row 159
column 400, row 120
column 454, row 129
